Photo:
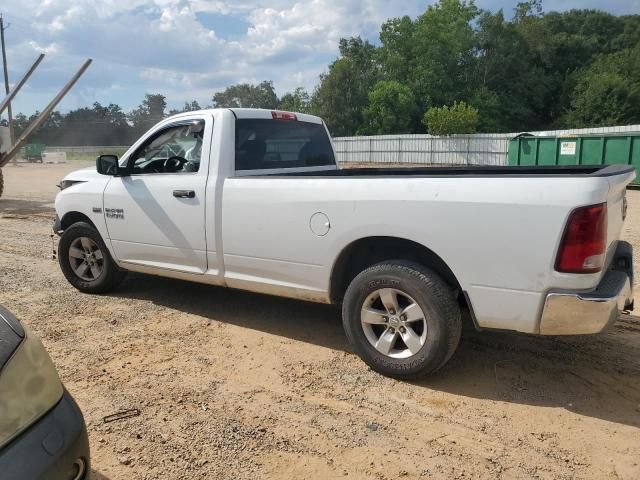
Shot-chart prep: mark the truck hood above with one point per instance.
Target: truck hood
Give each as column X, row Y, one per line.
column 85, row 175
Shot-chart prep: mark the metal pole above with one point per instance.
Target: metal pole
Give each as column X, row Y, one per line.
column 7, row 100
column 6, row 78
column 15, row 148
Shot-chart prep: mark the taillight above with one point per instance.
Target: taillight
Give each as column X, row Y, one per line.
column 283, row 116
column 584, row 242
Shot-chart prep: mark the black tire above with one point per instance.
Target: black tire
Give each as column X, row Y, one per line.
column 1, row 183
column 436, row 300
column 111, row 275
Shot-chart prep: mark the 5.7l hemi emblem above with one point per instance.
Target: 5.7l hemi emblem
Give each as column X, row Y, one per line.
column 117, row 213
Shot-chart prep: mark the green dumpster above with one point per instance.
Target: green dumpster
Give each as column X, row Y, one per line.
column 33, row 152
column 577, row 150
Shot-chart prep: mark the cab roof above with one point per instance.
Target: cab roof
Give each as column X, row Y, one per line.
column 260, row 113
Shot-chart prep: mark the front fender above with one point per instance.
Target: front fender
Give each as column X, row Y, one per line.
column 84, row 199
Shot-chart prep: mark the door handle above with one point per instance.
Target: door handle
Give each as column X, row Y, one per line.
column 184, row 194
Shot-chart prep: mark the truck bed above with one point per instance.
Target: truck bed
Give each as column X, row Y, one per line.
column 471, row 171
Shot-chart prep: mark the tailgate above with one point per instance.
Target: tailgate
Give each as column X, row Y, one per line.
column 616, row 207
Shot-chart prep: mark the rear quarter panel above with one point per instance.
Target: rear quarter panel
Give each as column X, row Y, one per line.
column 499, row 235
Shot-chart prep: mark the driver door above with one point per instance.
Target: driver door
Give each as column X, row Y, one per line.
column 155, row 215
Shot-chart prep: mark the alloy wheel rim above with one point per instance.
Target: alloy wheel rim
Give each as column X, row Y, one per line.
column 86, row 259
column 393, row 323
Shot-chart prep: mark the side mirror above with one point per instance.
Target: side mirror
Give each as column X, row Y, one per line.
column 108, row 165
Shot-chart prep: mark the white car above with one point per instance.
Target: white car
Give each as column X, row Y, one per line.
column 253, row 199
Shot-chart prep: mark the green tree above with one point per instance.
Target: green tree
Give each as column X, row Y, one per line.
column 608, row 92
column 150, row 112
column 630, row 36
column 296, row 101
column 525, row 11
column 458, row 118
column 191, row 106
column 343, row 93
column 491, row 112
column 20, row 124
column 99, row 125
column 511, row 84
column 48, row 132
column 434, row 55
column 390, row 110
column 563, row 44
column 245, row 95
column 397, row 53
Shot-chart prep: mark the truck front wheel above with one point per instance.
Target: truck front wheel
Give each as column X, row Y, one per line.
column 85, row 260
column 402, row 319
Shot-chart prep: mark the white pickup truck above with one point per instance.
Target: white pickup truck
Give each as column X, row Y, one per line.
column 253, row 199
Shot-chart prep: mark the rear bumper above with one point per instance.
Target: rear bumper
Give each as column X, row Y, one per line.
column 578, row 313
column 56, row 447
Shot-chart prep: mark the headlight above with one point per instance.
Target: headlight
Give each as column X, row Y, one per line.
column 29, row 387
column 67, row 183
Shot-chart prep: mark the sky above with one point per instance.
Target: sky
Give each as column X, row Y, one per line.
column 188, row 50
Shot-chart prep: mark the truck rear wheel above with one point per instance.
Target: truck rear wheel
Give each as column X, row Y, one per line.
column 402, row 319
column 85, row 260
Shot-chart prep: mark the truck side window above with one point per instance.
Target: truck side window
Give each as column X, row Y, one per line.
column 273, row 144
column 175, row 149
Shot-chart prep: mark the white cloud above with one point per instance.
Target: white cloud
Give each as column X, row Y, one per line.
column 162, row 45
column 50, row 49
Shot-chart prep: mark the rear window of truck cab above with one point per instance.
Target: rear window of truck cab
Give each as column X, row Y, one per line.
column 263, row 144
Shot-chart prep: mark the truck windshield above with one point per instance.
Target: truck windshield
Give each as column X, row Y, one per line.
column 275, row 144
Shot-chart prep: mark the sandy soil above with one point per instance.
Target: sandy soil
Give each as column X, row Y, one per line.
column 233, row 385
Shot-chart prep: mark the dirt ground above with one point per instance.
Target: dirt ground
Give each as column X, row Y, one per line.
column 234, row 385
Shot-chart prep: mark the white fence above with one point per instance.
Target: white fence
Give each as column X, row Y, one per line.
column 485, row 149
column 476, row 149
column 87, row 149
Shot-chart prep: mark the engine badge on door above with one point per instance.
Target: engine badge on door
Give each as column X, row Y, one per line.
column 115, row 213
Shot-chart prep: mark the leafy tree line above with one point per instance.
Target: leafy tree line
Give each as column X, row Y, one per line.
column 459, row 69
column 100, row 125
column 454, row 69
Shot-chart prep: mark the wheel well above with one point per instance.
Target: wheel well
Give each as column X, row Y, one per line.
column 74, row 217
column 365, row 252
